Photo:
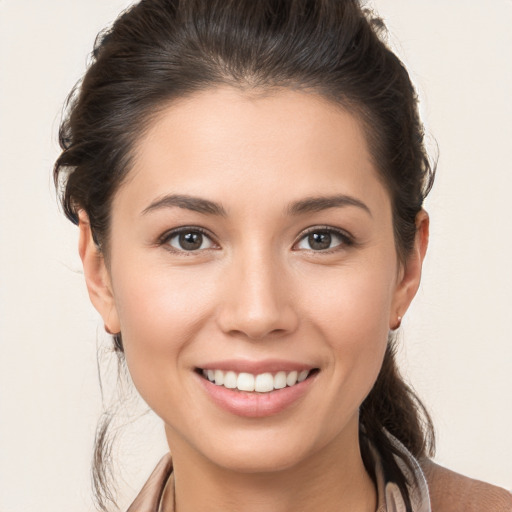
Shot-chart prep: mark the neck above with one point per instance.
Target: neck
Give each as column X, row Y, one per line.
column 332, row 480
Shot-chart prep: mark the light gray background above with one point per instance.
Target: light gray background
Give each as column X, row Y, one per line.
column 456, row 341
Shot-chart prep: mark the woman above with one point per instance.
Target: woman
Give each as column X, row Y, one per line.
column 248, row 180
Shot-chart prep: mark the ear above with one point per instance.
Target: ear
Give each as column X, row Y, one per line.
column 410, row 273
column 97, row 276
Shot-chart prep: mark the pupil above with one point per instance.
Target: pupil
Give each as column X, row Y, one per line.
column 191, row 241
column 319, row 241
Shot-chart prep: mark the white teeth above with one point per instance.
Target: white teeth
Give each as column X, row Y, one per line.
column 302, row 375
column 230, row 380
column 264, row 383
column 280, row 380
column 245, row 382
column 291, row 378
column 261, row 383
column 219, row 377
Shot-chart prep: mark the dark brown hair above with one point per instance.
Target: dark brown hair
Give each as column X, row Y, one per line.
column 160, row 50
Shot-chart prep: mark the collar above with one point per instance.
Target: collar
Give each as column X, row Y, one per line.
column 389, row 497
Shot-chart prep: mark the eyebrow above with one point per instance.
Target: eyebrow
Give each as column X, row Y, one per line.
column 207, row 207
column 186, row 202
column 317, row 204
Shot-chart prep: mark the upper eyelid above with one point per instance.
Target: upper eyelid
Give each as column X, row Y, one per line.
column 322, row 227
column 347, row 239
column 167, row 235
column 312, row 229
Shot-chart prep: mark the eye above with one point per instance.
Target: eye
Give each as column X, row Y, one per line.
column 188, row 240
column 323, row 239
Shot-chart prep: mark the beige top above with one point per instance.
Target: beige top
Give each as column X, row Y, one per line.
column 432, row 489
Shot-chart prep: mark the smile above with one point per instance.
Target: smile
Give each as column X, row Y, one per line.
column 256, row 390
column 260, row 383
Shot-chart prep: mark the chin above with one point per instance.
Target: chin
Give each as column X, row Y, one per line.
column 258, row 459
column 269, row 450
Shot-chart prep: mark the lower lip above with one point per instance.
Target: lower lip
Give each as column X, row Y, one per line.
column 256, row 405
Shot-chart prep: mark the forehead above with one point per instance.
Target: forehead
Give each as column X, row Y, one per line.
column 228, row 141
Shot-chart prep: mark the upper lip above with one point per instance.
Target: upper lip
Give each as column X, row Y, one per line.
column 256, row 367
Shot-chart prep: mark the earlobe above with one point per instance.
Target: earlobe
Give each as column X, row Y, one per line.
column 96, row 275
column 410, row 276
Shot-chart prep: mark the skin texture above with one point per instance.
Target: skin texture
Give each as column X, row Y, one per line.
column 256, row 290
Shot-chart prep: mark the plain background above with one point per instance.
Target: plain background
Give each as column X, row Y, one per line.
column 456, row 341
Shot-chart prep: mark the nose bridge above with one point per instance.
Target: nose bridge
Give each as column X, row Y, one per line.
column 257, row 300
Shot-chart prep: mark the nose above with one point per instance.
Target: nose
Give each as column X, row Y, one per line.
column 257, row 303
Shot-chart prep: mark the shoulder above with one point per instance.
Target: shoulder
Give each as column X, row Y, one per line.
column 452, row 492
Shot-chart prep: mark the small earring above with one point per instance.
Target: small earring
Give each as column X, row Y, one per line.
column 398, row 324
column 118, row 340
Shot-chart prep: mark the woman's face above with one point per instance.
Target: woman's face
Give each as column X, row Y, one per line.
column 253, row 241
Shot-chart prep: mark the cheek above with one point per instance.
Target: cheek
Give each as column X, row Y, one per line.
column 354, row 302
column 352, row 316
column 160, row 313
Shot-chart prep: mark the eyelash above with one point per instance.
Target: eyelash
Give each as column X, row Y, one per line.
column 346, row 239
column 164, row 239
